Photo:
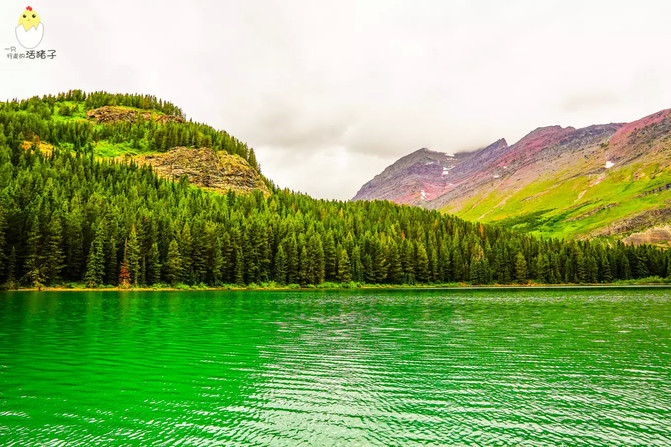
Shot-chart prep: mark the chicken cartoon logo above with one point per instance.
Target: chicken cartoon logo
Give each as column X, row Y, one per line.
column 30, row 30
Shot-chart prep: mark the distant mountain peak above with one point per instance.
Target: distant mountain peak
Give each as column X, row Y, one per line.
column 552, row 171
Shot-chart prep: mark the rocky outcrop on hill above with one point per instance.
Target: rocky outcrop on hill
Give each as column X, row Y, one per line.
column 206, row 168
column 114, row 114
column 660, row 235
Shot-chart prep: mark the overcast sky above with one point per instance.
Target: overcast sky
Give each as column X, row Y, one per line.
column 330, row 93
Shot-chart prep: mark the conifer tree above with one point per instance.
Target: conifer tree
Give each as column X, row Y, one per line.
column 281, row 266
column 458, row 265
column 344, row 268
column 592, row 269
column 408, row 261
column 433, row 266
column 293, row 261
column 112, row 269
column 357, row 265
column 641, row 269
column 304, row 273
column 11, row 269
column 606, row 272
column 520, row 268
column 153, row 265
column 581, row 265
column 543, row 269
column 173, row 264
column 423, row 273
column 315, row 258
column 186, row 252
column 395, row 270
column 124, row 269
column 330, row 258
column 239, row 275
column 95, row 267
column 218, row 262
column 133, row 248
column 34, row 259
column 74, row 231
column 54, row 257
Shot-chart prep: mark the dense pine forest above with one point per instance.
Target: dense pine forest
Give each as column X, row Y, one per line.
column 70, row 216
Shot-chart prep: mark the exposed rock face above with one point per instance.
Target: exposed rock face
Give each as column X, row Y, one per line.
column 413, row 179
column 113, row 114
column 643, row 219
column 656, row 235
column 556, row 181
column 206, row 168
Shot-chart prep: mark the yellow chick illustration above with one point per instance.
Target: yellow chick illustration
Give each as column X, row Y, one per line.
column 30, row 30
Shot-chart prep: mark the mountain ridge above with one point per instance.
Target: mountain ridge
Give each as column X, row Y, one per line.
column 552, row 180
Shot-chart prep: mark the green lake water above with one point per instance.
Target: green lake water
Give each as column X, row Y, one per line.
column 534, row 367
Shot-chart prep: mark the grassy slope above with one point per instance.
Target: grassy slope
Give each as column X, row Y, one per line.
column 546, row 206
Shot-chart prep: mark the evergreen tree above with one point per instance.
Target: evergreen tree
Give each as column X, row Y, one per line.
column 239, row 277
column 54, row 256
column 304, row 273
column 330, row 258
column 293, row 261
column 34, row 260
column 124, row 269
column 281, row 266
column 95, row 267
column 641, row 269
column 357, row 265
column 153, row 265
column 74, row 235
column 606, row 272
column 543, row 269
column 172, row 266
column 133, row 248
column 315, row 261
column 395, row 271
column 520, row 268
column 344, row 268
column 11, row 269
column 581, row 265
column 186, row 252
column 423, row 273
column 592, row 269
column 218, row 262
column 112, row 270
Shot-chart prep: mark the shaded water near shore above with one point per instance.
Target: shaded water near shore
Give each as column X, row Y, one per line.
column 379, row 367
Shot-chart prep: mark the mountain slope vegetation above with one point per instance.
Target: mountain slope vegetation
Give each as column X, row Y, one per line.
column 606, row 180
column 70, row 215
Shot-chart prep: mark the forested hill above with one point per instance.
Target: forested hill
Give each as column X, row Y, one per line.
column 138, row 127
column 69, row 215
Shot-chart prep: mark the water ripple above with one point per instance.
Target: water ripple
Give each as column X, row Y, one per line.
column 397, row 368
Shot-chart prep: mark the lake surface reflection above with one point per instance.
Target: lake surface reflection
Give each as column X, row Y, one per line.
column 535, row 367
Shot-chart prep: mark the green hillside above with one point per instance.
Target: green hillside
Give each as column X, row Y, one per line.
column 576, row 207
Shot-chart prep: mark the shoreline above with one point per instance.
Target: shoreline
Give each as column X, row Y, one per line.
column 365, row 287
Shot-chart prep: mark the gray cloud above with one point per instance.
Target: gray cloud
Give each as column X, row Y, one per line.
column 329, row 93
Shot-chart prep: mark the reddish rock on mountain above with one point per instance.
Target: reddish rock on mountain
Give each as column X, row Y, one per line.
column 599, row 180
